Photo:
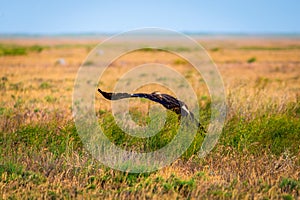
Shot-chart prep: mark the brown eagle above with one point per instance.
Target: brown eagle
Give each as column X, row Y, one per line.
column 168, row 101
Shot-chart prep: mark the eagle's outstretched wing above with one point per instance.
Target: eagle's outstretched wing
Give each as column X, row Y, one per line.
column 168, row 101
column 114, row 96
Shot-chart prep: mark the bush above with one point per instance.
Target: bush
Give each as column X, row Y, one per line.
column 251, row 60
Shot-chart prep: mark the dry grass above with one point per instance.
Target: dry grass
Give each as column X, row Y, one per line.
column 42, row 156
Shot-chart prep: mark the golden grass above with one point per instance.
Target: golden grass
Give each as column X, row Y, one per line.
column 36, row 89
column 234, row 176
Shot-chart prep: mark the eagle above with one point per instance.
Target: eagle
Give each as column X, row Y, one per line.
column 168, row 101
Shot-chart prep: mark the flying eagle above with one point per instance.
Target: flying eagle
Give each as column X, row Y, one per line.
column 168, row 101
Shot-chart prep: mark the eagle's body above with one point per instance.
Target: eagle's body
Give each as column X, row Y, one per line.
column 168, row 101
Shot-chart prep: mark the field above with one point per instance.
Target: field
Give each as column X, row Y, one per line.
column 257, row 156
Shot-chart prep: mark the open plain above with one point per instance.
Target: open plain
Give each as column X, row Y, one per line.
column 257, row 156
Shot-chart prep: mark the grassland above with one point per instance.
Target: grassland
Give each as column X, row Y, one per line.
column 257, row 156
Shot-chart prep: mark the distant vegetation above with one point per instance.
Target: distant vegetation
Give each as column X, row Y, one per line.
column 251, row 60
column 16, row 50
column 215, row 49
column 167, row 48
column 270, row 48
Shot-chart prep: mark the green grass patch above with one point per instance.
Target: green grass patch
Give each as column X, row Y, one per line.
column 270, row 48
column 149, row 49
column 17, row 50
column 251, row 60
column 180, row 61
column 171, row 48
column 45, row 85
column 215, row 49
column 289, row 185
column 277, row 133
column 43, row 136
column 14, row 172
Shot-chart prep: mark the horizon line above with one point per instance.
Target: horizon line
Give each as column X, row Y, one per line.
column 111, row 33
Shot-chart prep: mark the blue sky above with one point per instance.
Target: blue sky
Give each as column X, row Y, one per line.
column 218, row 16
